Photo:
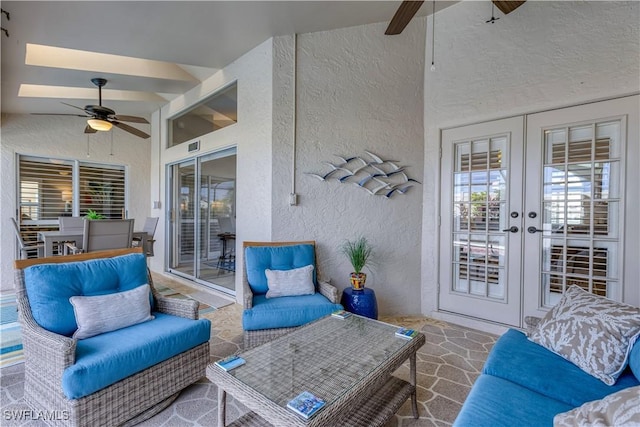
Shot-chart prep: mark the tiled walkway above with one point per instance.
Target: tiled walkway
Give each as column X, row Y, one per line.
column 448, row 364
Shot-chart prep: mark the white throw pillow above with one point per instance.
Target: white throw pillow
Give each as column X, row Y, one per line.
column 617, row 409
column 593, row 332
column 98, row 314
column 284, row 283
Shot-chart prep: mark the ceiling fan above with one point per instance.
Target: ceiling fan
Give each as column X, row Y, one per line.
column 409, row 8
column 102, row 118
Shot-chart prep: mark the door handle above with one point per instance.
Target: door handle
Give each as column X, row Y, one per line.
column 534, row 230
column 512, row 229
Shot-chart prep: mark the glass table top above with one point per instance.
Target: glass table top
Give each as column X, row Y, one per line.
column 327, row 358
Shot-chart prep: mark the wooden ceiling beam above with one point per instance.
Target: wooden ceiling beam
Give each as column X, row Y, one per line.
column 403, row 16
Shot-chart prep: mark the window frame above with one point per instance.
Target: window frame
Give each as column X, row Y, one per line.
column 174, row 141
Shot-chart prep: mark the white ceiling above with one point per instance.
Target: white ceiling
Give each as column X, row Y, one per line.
column 201, row 36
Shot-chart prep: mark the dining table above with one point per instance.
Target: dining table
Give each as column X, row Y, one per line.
column 51, row 238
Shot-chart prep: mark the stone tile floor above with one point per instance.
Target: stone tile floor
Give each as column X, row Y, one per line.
column 448, row 364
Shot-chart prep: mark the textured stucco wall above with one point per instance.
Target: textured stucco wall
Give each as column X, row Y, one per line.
column 251, row 136
column 544, row 55
column 357, row 90
column 62, row 137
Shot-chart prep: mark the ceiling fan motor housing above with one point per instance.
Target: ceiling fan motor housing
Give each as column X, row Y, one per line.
column 99, row 111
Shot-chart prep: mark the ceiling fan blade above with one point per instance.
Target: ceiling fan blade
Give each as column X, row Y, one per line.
column 403, row 16
column 79, row 108
column 132, row 119
column 131, row 129
column 89, row 129
column 507, row 6
column 57, row 114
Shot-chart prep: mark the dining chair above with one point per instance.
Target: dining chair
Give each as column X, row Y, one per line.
column 27, row 247
column 104, row 234
column 70, row 224
column 149, row 230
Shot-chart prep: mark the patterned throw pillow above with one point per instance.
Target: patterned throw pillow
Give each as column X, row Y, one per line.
column 617, row 409
column 593, row 332
column 286, row 283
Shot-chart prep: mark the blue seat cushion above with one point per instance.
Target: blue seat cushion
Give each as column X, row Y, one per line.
column 260, row 258
column 515, row 358
column 286, row 312
column 496, row 402
column 108, row 358
column 49, row 286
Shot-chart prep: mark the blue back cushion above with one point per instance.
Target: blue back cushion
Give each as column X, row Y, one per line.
column 259, row 258
column 516, row 359
column 634, row 359
column 49, row 286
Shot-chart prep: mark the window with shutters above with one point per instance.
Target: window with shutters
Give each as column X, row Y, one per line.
column 102, row 190
column 51, row 188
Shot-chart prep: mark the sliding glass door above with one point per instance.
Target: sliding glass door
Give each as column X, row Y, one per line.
column 202, row 221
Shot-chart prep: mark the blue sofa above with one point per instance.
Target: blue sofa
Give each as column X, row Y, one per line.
column 120, row 374
column 523, row 384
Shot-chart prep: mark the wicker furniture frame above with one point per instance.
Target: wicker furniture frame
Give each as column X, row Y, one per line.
column 254, row 338
column 127, row 402
column 346, row 362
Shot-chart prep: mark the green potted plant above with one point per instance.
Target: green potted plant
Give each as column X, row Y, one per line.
column 91, row 214
column 359, row 252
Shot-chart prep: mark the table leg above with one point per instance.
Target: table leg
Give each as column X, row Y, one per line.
column 222, row 407
column 412, row 376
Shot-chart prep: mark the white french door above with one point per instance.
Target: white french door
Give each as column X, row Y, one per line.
column 526, row 214
column 481, row 220
column 576, row 183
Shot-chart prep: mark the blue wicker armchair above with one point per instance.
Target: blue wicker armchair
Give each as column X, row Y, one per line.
column 117, row 377
column 265, row 318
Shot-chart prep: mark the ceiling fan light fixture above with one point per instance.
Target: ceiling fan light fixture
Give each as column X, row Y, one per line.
column 98, row 124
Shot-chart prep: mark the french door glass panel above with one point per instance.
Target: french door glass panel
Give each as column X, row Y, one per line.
column 580, row 203
column 580, row 195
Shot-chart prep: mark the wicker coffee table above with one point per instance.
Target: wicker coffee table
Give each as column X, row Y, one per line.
column 346, row 362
